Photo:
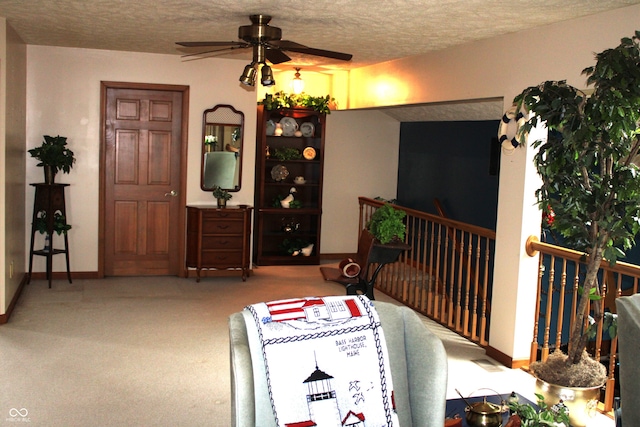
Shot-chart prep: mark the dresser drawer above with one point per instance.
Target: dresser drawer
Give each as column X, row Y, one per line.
column 218, row 239
column 222, row 242
column 222, row 214
column 227, row 226
column 221, row 259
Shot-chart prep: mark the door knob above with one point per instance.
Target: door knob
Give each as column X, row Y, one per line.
column 172, row 193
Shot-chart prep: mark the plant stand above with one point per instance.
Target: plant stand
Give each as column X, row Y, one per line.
column 50, row 199
column 370, row 253
column 383, row 255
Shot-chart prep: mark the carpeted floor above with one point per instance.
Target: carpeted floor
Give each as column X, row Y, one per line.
column 144, row 351
column 154, row 351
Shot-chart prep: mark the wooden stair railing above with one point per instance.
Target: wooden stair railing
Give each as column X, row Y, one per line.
column 558, row 280
column 458, row 247
column 447, row 272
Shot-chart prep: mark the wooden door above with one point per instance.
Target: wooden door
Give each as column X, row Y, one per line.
column 143, row 134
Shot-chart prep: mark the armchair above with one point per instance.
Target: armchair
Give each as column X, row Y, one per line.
column 417, row 359
column 628, row 309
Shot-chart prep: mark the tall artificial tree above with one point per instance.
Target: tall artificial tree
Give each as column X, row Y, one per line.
column 589, row 166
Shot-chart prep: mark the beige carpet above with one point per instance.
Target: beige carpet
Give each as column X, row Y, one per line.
column 132, row 351
column 153, row 351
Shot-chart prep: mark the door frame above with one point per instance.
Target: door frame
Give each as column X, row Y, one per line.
column 182, row 194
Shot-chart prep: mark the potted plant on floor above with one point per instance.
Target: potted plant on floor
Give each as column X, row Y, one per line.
column 54, row 155
column 222, row 196
column 591, row 183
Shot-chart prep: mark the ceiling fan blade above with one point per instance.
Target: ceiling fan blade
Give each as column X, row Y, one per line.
column 209, row 44
column 276, row 56
column 321, row 52
column 209, row 53
column 286, row 44
column 300, row 48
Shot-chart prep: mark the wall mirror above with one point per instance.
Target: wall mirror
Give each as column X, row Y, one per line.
column 222, row 135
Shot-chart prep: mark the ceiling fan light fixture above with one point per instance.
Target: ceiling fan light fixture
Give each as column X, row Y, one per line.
column 267, row 76
column 248, row 76
column 297, row 84
column 267, row 45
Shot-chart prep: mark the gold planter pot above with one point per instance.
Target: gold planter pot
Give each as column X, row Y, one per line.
column 582, row 402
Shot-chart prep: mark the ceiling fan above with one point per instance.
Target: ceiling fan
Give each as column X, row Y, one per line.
column 267, row 44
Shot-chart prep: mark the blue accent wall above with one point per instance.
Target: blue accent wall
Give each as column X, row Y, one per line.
column 450, row 161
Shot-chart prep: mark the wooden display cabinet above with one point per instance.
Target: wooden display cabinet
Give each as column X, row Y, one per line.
column 278, row 230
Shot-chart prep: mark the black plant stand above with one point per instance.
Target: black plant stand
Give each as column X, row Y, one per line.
column 50, row 199
column 382, row 255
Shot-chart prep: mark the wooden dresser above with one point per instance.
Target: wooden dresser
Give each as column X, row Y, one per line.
column 218, row 238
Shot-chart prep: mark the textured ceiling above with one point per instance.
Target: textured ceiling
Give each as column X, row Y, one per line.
column 372, row 31
column 489, row 109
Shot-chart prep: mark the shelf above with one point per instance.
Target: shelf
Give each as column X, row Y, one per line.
column 296, row 138
column 49, row 199
column 270, row 220
column 276, row 161
column 291, row 212
column 45, row 252
column 268, row 259
column 291, row 184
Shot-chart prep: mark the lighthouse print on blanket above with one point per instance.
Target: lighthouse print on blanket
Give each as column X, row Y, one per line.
column 326, row 362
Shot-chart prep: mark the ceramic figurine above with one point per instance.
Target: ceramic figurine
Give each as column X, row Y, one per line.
column 287, row 200
column 306, row 251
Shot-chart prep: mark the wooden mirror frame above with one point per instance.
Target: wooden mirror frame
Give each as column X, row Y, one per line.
column 226, row 125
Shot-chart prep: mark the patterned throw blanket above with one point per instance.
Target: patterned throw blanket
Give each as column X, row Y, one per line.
column 326, row 362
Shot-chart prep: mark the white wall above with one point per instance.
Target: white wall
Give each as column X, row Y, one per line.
column 502, row 67
column 13, row 72
column 3, row 161
column 63, row 97
column 361, row 159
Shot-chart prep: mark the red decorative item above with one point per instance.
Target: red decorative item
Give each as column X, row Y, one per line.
column 514, row 421
column 549, row 216
column 349, row 267
column 453, row 422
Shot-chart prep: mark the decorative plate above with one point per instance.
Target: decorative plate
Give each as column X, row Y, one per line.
column 279, row 172
column 307, row 129
column 309, row 153
column 271, row 127
column 289, row 126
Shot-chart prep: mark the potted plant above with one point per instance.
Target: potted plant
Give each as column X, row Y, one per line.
column 210, row 142
column 590, row 184
column 387, row 225
column 221, row 196
column 60, row 225
column 388, row 229
column 54, row 155
column 526, row 415
column 286, row 153
column 295, row 247
column 278, row 100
